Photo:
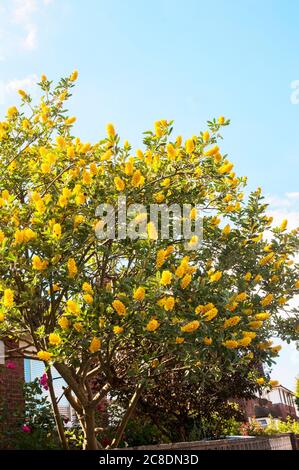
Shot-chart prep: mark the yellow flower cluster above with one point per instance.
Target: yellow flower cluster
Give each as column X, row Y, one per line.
column 72, row 268
column 38, row 264
column 139, row 294
column 119, row 308
column 216, row 276
column 44, row 355
column 95, row 345
column 8, row 298
column 190, row 327
column 167, row 303
column 152, row 325
column 24, row 236
column 232, row 321
column 166, row 278
column 54, row 339
column 267, row 300
column 162, row 255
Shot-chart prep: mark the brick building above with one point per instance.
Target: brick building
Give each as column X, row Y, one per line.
column 278, row 402
column 11, row 385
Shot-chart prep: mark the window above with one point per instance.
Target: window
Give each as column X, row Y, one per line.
column 2, row 352
column 263, row 422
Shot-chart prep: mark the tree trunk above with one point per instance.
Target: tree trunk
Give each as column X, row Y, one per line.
column 131, row 407
column 88, row 425
column 57, row 417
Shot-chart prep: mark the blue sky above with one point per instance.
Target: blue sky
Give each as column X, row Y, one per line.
column 189, row 60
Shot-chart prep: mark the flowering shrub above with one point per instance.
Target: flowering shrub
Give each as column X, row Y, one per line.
column 119, row 309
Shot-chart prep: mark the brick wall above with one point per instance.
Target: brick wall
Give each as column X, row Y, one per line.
column 279, row 442
column 11, row 389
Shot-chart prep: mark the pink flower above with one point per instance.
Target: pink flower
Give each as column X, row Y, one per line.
column 11, row 365
column 26, row 428
column 44, row 381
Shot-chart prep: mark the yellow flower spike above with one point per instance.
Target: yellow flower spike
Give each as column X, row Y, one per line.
column 166, row 278
column 56, row 231
column 255, row 325
column 158, row 129
column 232, row 321
column 226, row 230
column 206, row 136
column 110, row 130
column 247, row 276
column 60, row 141
column 69, row 121
column 168, row 303
column 129, row 167
column 274, row 383
column 262, row 316
column 212, row 151
column 190, row 327
column 179, row 340
column 207, row 341
column 12, row 112
column 283, row 225
column 276, row 349
column 38, row 264
column 70, row 151
column 119, row 183
column 241, row 297
column 64, row 323
column 244, row 342
column 260, row 381
column 43, row 78
column 210, row 314
column 54, row 339
column 88, row 298
column 44, row 356
column 216, row 276
column 166, row 183
column 22, row 93
column 137, row 179
column 230, row 344
column 117, row 330
column 152, row 231
column 95, row 345
column 159, row 197
column 119, row 307
column 267, row 300
column 139, row 294
column 221, row 120
column 8, row 298
column 73, row 307
column 171, row 151
column 2, row 236
column 178, row 141
column 74, row 76
column 193, row 213
column 78, row 327
column 152, row 325
column 72, row 268
column 186, row 281
column 87, row 288
column 189, row 146
column 139, row 154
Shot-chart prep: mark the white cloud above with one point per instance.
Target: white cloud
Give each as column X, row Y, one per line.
column 286, row 207
column 10, row 88
column 23, row 83
column 30, row 41
column 19, row 25
column 23, row 10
